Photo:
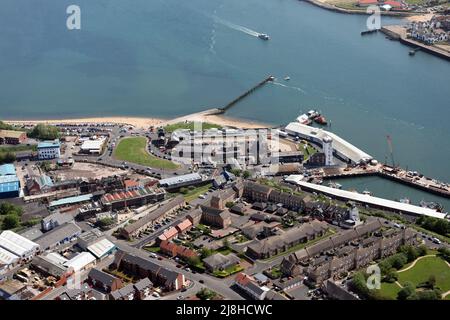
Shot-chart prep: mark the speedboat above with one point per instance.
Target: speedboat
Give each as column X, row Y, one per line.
column 263, row 36
column 304, row 119
column 287, row 78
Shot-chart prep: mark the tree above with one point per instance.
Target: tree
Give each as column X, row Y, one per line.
column 44, row 132
column 229, row 204
column 226, row 243
column 422, row 250
column 407, row 290
column 391, row 276
column 193, row 261
column 8, row 208
column 10, row 221
column 431, row 281
column 236, row 172
column 246, row 174
column 410, row 252
column 358, row 284
column 206, row 294
column 105, row 222
column 205, row 252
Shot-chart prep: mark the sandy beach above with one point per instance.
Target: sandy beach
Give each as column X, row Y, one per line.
column 147, row 122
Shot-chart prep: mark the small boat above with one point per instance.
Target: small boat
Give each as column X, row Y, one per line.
column 321, row 120
column 312, row 114
column 335, row 185
column 263, row 36
column 304, row 119
column 432, row 205
column 287, row 78
column 405, row 200
column 367, row 192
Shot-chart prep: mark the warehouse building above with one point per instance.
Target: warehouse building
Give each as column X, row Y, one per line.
column 132, row 198
column 12, row 137
column 18, row 245
column 62, row 234
column 177, row 182
column 9, row 182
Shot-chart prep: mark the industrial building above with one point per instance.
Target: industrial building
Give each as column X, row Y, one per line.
column 12, row 137
column 49, row 150
column 9, row 182
column 92, row 146
column 177, row 182
column 62, row 234
column 132, row 198
column 18, row 245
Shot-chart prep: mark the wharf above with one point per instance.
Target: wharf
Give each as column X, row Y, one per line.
column 396, row 174
column 399, row 33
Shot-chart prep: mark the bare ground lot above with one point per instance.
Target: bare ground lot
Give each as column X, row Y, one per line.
column 87, row 170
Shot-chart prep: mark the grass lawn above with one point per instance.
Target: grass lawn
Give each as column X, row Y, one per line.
column 152, row 249
column 190, row 126
column 134, row 150
column 426, row 267
column 228, row 271
column 194, row 193
column 390, row 290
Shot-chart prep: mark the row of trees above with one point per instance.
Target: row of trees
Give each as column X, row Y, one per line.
column 440, row 226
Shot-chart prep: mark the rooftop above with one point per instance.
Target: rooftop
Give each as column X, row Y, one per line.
column 11, row 134
column 7, row 169
column 180, row 179
column 49, row 144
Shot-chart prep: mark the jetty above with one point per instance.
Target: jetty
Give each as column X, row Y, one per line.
column 399, row 33
column 245, row 94
column 412, row 179
column 363, row 33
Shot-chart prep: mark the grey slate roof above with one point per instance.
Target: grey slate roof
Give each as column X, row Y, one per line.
column 57, row 235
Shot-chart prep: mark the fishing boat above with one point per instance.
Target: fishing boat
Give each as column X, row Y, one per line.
column 432, row 205
column 320, row 120
column 304, row 119
column 335, row 185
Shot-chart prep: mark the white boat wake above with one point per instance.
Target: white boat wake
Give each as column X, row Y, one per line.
column 290, row 87
column 236, row 27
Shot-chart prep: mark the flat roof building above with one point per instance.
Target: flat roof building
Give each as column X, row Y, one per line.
column 9, row 182
column 61, row 234
column 49, row 150
column 18, row 245
column 181, row 181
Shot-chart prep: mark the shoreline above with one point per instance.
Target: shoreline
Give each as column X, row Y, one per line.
column 145, row 122
column 334, row 8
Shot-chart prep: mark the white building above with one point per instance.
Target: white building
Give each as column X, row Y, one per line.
column 7, row 260
column 327, row 145
column 18, row 245
column 49, row 150
column 80, row 262
column 92, row 146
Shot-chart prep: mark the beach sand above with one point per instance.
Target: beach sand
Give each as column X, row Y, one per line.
column 147, row 122
column 419, row 18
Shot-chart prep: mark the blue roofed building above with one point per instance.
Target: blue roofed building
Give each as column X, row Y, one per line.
column 9, row 182
column 49, row 150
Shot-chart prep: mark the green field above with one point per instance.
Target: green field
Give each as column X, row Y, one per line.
column 420, row 273
column 426, row 267
column 190, row 126
column 134, row 150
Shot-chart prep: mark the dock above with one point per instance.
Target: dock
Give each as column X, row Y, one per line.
column 395, row 174
column 363, row 33
column 399, row 33
column 245, row 94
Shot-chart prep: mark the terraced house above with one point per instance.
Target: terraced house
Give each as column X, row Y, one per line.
column 263, row 249
column 142, row 268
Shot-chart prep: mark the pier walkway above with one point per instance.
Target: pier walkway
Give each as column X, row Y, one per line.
column 245, row 94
